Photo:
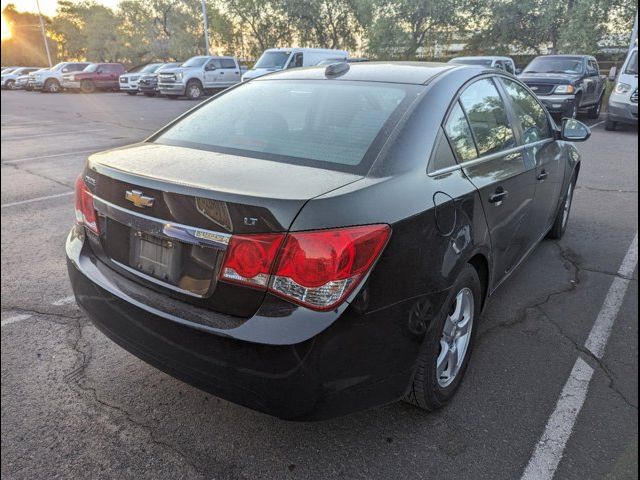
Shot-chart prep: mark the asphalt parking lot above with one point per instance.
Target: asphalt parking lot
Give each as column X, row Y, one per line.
column 75, row 405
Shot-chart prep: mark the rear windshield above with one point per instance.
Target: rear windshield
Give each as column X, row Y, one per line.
column 472, row 61
column 195, row 62
column 272, row 60
column 632, row 64
column 152, row 67
column 332, row 124
column 569, row 66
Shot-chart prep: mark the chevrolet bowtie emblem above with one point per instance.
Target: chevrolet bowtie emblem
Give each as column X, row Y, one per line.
column 138, row 199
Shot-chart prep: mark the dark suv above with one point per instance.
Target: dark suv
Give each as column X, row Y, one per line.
column 566, row 84
column 103, row 76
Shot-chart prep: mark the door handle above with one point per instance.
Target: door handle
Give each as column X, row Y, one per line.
column 498, row 196
column 542, row 175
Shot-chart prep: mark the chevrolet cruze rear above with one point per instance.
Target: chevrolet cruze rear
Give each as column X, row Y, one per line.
column 322, row 240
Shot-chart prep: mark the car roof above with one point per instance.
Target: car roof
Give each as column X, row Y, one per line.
column 575, row 57
column 417, row 73
column 481, row 57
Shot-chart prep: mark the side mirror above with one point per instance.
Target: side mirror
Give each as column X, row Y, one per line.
column 574, row 130
column 613, row 73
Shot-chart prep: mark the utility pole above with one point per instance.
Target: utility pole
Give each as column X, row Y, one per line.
column 634, row 33
column 206, row 28
column 44, row 34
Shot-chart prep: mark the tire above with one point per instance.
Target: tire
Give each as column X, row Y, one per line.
column 51, row 86
column 575, row 108
column 433, row 385
column 594, row 112
column 87, row 86
column 193, row 90
column 132, row 93
column 562, row 217
column 610, row 125
column 10, row 85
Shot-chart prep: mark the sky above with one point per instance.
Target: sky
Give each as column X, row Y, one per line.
column 48, row 7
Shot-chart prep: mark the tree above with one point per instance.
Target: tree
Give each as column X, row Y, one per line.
column 264, row 21
column 410, row 25
column 26, row 46
column 327, row 23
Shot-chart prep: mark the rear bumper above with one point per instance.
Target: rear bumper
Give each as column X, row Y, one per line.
column 558, row 104
column 285, row 361
column 623, row 112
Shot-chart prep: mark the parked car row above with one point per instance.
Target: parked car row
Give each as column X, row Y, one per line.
column 568, row 85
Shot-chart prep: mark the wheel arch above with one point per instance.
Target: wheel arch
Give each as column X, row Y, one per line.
column 481, row 265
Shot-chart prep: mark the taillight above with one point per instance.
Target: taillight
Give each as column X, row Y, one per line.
column 85, row 212
column 317, row 269
column 249, row 258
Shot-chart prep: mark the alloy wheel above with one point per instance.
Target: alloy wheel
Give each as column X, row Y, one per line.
column 455, row 339
column 194, row 92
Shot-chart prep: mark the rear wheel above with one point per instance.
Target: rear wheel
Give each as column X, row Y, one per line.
column 594, row 112
column 193, row 90
column 11, row 84
column 562, row 217
column 447, row 345
column 87, row 86
column 51, row 86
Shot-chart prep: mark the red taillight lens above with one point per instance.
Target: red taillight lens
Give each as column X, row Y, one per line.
column 319, row 269
column 85, row 212
column 316, row 269
column 249, row 258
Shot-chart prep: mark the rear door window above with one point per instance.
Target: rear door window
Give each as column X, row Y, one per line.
column 532, row 117
column 460, row 136
column 488, row 118
column 227, row 63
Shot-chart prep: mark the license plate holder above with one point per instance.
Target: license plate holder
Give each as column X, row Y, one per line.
column 156, row 257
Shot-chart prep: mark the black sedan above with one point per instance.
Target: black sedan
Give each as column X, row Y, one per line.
column 319, row 241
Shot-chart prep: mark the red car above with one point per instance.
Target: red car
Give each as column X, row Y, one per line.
column 102, row 76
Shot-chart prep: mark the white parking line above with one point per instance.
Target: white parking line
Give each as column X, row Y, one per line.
column 26, row 316
column 549, row 450
column 42, row 157
column 38, row 199
column 14, row 319
column 50, row 134
column 597, row 340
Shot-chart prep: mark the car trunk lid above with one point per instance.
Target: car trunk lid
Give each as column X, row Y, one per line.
column 167, row 214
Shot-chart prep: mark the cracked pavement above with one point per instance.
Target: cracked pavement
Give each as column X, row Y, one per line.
column 74, row 405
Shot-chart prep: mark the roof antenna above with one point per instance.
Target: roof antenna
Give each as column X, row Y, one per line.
column 336, row 69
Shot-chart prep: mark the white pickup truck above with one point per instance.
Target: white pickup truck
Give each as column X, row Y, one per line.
column 50, row 81
column 199, row 74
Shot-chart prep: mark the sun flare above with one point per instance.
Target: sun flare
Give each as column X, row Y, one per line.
column 6, row 29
